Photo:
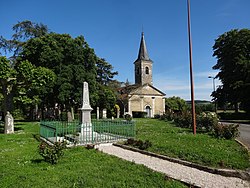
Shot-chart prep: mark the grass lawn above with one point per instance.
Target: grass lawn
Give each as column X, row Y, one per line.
column 22, row 166
column 181, row 143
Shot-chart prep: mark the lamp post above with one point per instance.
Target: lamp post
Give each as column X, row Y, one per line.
column 215, row 106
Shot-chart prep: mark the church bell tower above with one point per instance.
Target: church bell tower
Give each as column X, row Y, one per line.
column 143, row 65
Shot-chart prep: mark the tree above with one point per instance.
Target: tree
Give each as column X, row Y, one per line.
column 232, row 50
column 72, row 60
column 23, row 31
column 22, row 82
column 104, row 71
column 175, row 103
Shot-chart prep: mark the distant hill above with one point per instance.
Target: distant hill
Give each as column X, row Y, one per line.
column 199, row 102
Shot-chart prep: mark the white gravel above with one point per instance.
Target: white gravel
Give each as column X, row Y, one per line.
column 174, row 170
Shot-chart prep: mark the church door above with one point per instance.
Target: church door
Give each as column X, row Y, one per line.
column 148, row 110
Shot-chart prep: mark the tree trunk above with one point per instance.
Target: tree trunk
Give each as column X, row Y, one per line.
column 7, row 99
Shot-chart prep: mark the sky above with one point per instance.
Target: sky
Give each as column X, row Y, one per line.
column 113, row 29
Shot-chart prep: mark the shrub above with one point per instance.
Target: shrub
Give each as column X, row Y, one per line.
column 63, row 116
column 139, row 143
column 207, row 121
column 52, row 153
column 227, row 131
column 157, row 116
column 128, row 117
column 183, row 120
column 234, row 116
column 139, row 114
column 18, row 114
column 169, row 116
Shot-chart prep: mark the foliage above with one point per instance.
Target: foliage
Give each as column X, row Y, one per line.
column 20, row 162
column 175, row 104
column 183, row 120
column 232, row 51
column 128, row 117
column 18, row 114
column 207, row 121
column 199, row 108
column 227, row 131
column 233, row 116
column 23, row 31
column 23, row 83
column 52, row 153
column 104, row 71
column 139, row 143
column 167, row 139
column 72, row 61
column 168, row 116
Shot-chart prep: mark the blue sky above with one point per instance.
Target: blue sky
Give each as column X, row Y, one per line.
column 113, row 28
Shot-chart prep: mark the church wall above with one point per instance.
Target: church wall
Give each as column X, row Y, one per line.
column 139, row 103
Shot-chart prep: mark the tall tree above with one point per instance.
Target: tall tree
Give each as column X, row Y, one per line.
column 232, row 50
column 72, row 60
column 22, row 32
column 105, row 72
column 23, row 82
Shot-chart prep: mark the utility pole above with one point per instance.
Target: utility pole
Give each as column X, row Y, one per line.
column 191, row 70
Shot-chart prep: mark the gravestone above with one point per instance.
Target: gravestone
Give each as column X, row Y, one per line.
column 97, row 113
column 104, row 113
column 9, row 124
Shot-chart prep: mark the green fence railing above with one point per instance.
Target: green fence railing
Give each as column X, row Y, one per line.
column 99, row 131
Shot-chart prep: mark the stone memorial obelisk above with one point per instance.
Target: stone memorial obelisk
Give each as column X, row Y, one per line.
column 86, row 125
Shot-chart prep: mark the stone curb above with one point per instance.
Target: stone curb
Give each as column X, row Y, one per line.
column 224, row 172
column 242, row 144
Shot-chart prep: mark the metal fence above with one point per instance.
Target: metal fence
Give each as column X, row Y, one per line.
column 99, row 131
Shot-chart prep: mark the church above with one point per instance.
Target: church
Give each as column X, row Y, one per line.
column 142, row 96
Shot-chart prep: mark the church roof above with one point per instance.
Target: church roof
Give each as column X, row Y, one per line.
column 143, row 54
column 135, row 89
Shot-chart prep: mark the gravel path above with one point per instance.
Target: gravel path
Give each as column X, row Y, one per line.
column 174, row 170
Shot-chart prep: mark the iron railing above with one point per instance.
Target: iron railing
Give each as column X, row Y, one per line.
column 99, row 131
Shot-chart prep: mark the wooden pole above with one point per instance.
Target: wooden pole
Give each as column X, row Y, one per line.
column 191, row 71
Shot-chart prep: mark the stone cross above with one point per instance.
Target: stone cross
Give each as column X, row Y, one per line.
column 9, row 124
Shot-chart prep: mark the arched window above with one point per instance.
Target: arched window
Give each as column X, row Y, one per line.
column 147, row 70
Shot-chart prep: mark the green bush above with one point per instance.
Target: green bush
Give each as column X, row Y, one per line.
column 128, row 117
column 206, row 121
column 18, row 114
column 183, row 120
column 51, row 153
column 227, row 131
column 139, row 114
column 139, row 143
column 169, row 116
column 63, row 116
column 234, row 116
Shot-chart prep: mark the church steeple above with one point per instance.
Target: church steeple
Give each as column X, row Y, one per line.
column 143, row 65
column 143, row 54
